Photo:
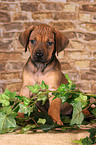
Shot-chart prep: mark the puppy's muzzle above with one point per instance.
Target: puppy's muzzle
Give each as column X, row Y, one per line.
column 39, row 54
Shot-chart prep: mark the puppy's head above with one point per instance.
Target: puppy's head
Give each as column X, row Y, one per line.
column 43, row 41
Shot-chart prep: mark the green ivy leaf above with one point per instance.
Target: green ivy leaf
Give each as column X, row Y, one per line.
column 44, row 86
column 11, row 95
column 65, row 119
column 87, row 141
column 26, row 101
column 94, row 111
column 41, row 121
column 73, row 86
column 77, row 116
column 5, row 102
column 34, row 89
column 67, row 77
column 20, row 98
column 6, row 110
column 6, row 122
column 64, row 96
column 13, row 114
column 8, row 130
column 6, row 97
column 63, row 87
column 83, row 99
column 27, row 128
column 92, row 134
column 42, row 98
column 78, row 141
column 25, row 109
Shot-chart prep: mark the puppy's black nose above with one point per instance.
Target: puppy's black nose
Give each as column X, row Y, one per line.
column 39, row 54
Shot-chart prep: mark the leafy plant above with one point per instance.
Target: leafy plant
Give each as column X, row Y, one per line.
column 84, row 110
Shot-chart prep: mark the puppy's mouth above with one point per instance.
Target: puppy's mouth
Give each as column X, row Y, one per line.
column 38, row 59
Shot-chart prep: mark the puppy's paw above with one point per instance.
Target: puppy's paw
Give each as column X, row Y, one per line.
column 55, row 117
column 59, row 122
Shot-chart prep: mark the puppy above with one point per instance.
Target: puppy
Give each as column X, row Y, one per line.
column 43, row 42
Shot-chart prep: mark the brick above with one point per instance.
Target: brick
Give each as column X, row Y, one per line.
column 9, row 35
column 84, row 17
column 10, row 76
column 29, row 6
column 10, row 56
column 17, row 44
column 56, row 0
column 70, row 7
column 5, row 45
column 89, row 8
column 84, row 86
column 94, row 17
column 73, row 76
column 54, row 6
column 88, row 26
column 76, row 45
column 9, row 7
column 94, row 54
column 4, row 17
column 93, row 64
column 41, row 16
column 19, row 16
column 89, row 75
column 63, row 25
column 13, row 26
column 91, row 46
column 94, row 88
column 89, row 36
column 65, row 66
column 79, row 1
column 41, row 6
column 86, row 36
column 70, row 35
column 14, row 66
column 14, row 86
column 26, row 25
column 4, row 6
column 64, row 16
column 82, row 64
column 9, row 0
column 61, row 54
column 2, row 66
column 1, row 32
column 77, row 55
column 13, row 7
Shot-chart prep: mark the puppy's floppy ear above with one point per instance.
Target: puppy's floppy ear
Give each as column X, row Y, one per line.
column 61, row 40
column 24, row 37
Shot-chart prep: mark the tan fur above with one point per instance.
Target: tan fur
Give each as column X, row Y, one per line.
column 48, row 69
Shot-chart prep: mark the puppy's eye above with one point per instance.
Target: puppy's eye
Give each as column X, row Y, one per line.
column 33, row 41
column 49, row 43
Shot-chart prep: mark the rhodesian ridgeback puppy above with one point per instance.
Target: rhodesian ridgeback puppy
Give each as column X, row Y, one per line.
column 44, row 42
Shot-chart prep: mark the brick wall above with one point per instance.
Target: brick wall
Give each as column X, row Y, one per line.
column 75, row 18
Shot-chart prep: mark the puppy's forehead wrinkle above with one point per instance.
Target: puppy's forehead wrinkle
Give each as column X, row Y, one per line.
column 40, row 33
column 42, row 29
